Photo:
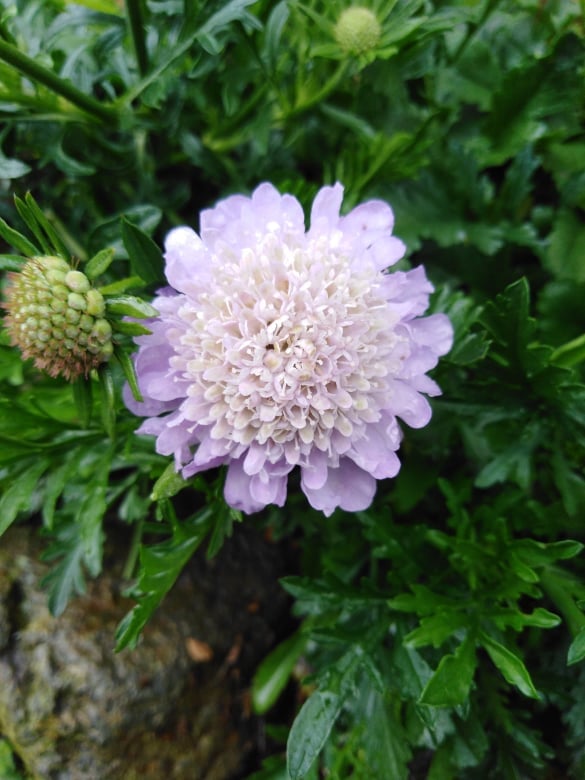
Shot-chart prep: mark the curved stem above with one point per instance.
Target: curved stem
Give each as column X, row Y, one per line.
column 28, row 67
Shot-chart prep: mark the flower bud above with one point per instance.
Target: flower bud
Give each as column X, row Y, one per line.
column 357, row 30
column 54, row 317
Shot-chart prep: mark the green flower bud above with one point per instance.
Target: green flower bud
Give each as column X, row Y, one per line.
column 357, row 30
column 55, row 317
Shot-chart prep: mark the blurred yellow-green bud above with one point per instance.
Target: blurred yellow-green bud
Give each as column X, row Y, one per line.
column 55, row 317
column 357, row 30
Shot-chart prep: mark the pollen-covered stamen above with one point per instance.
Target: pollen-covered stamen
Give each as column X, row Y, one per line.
column 287, row 348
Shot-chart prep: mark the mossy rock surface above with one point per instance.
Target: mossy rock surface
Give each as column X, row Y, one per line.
column 173, row 708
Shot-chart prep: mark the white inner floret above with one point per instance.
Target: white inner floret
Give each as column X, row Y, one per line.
column 287, row 347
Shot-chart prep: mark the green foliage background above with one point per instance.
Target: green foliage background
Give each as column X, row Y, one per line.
column 443, row 627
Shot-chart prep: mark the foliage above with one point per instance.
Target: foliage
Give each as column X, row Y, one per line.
column 442, row 629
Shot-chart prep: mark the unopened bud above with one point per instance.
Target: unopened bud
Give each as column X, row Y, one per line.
column 357, row 30
column 55, row 318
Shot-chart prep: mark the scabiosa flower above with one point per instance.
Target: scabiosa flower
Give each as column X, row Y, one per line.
column 55, row 317
column 278, row 347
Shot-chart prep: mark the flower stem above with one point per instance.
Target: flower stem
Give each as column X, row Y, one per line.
column 136, row 25
column 132, row 558
column 28, row 67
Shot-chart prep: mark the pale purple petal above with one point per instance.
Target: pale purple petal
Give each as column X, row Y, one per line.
column 409, row 405
column 325, row 211
column 347, row 487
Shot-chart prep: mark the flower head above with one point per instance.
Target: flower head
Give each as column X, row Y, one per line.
column 55, row 317
column 357, row 30
column 278, row 347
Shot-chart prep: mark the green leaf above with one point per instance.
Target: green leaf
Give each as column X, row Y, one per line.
column 8, row 769
column 30, row 221
column 385, row 741
column 130, row 328
column 130, row 306
column 435, row 629
column 18, row 497
column 99, row 263
column 145, row 256
column 160, row 565
column 274, row 672
column 450, row 684
column 129, row 372
column 66, row 579
column 570, row 354
column 168, row 484
column 82, row 394
column 107, row 399
column 510, row 665
column 566, row 252
column 577, row 648
column 310, row 731
column 17, row 240
column 45, row 224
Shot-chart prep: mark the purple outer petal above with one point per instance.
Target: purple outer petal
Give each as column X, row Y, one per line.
column 251, row 494
column 348, row 487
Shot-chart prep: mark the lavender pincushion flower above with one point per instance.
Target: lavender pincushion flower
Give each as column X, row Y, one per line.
column 277, row 347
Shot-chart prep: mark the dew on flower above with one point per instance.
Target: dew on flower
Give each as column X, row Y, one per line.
column 279, row 347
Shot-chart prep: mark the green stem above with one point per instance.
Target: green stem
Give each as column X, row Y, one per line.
column 28, row 67
column 130, row 564
column 563, row 601
column 136, row 25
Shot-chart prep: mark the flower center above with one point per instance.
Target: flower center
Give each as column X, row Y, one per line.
column 287, row 347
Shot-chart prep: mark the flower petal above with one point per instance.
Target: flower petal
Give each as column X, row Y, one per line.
column 348, row 487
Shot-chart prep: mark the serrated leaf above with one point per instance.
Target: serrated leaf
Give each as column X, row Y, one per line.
column 130, row 306
column 145, row 256
column 17, row 498
column 577, row 648
column 510, row 665
column 310, row 731
column 160, row 565
column 385, row 741
column 435, row 629
column 566, row 249
column 450, row 684
column 66, row 579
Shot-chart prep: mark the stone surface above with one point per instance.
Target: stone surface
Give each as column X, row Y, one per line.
column 174, row 708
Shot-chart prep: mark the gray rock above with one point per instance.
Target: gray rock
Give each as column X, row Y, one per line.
column 174, row 708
